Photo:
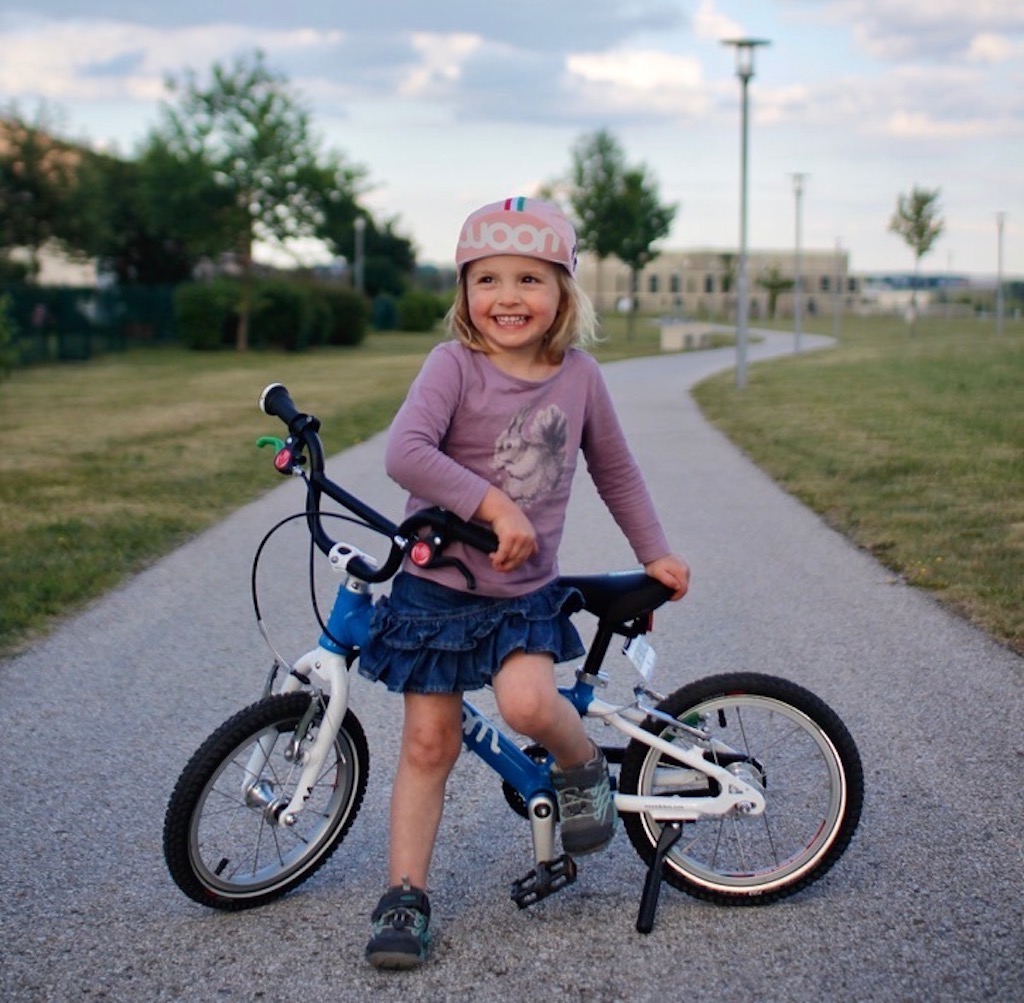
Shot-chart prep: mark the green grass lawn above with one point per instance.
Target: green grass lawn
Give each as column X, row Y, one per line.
column 113, row 462
column 911, row 446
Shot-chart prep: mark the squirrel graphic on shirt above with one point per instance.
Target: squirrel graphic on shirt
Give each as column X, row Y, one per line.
column 530, row 453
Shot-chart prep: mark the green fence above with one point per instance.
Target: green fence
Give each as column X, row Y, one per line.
column 58, row 323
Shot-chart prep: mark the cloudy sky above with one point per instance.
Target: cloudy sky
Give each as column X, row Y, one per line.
column 452, row 103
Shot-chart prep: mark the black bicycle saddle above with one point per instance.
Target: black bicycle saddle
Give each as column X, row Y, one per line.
column 619, row 596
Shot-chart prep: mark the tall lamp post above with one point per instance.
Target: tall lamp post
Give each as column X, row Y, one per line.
column 744, row 70
column 837, row 295
column 360, row 262
column 798, row 286
column 1000, row 220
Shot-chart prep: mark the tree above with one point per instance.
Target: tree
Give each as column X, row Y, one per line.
column 595, row 180
column 641, row 220
column 244, row 145
column 773, row 282
column 616, row 206
column 116, row 224
column 37, row 175
column 389, row 259
column 918, row 222
column 88, row 203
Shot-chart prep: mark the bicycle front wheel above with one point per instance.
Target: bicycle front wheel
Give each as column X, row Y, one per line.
column 772, row 733
column 222, row 842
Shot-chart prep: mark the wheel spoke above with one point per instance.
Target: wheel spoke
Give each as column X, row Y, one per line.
column 222, row 846
column 784, row 741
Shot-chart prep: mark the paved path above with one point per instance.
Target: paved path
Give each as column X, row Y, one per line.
column 926, row 905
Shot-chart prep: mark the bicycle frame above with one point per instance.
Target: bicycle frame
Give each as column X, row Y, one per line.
column 329, row 665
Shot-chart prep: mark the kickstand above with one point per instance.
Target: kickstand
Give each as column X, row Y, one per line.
column 652, row 885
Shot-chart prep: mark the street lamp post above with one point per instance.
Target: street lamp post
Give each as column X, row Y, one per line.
column 837, row 294
column 1000, row 220
column 744, row 70
column 360, row 262
column 798, row 290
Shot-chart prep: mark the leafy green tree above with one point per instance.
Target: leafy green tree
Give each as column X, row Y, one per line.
column 598, row 167
column 116, row 225
column 594, row 186
column 37, row 175
column 728, row 260
column 641, row 220
column 181, row 199
column 252, row 170
column 774, row 283
column 616, row 207
column 918, row 222
column 389, row 258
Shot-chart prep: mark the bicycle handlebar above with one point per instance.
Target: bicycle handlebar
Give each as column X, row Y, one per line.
column 427, row 551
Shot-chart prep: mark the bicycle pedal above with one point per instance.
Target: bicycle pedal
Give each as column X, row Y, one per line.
column 548, row 877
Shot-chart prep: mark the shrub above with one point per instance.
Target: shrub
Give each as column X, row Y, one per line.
column 14, row 271
column 8, row 331
column 349, row 316
column 206, row 313
column 418, row 311
column 321, row 315
column 282, row 315
column 384, row 316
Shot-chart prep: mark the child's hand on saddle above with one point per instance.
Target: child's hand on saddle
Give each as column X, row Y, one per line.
column 673, row 572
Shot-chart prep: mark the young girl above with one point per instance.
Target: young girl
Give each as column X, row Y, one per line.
column 491, row 430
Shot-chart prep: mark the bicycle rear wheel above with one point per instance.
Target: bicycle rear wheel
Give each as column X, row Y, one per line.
column 222, row 844
column 777, row 735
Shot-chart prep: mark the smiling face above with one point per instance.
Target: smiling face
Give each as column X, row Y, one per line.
column 513, row 302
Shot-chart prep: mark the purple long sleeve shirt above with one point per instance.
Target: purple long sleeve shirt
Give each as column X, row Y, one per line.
column 466, row 425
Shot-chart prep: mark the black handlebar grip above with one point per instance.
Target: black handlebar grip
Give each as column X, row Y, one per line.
column 277, row 402
column 477, row 537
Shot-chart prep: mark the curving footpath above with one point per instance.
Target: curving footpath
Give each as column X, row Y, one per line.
column 99, row 718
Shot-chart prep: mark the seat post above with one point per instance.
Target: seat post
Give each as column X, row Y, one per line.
column 598, row 649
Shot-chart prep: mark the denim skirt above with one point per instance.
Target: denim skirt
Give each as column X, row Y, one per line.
column 428, row 638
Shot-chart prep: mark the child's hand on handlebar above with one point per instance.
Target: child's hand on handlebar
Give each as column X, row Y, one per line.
column 517, row 540
column 673, row 572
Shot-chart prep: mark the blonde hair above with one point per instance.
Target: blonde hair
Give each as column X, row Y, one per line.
column 575, row 325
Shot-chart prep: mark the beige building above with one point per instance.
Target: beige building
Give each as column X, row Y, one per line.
column 701, row 283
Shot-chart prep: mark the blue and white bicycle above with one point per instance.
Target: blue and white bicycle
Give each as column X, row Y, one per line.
column 740, row 788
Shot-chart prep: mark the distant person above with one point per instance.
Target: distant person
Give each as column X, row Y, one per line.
column 491, row 430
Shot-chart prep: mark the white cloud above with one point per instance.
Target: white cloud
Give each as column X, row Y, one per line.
column 104, row 60
column 921, row 125
column 710, row 24
column 442, row 60
column 990, row 48
column 786, row 104
column 644, row 72
column 928, row 29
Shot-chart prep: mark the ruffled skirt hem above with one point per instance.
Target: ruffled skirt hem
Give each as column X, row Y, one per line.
column 427, row 638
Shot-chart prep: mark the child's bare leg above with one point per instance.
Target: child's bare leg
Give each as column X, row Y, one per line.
column 431, row 740
column 530, row 703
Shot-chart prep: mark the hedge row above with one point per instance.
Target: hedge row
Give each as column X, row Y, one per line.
column 288, row 315
column 295, row 316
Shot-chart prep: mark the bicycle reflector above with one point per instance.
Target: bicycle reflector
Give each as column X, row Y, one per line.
column 421, row 553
